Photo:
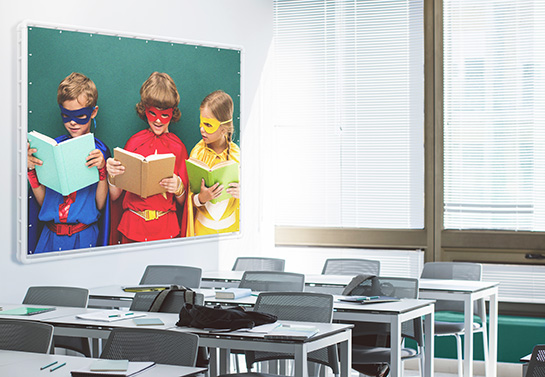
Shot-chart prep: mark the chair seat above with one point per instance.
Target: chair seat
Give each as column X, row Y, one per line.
column 376, row 354
column 450, row 328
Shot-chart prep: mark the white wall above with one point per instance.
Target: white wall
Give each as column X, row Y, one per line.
column 246, row 23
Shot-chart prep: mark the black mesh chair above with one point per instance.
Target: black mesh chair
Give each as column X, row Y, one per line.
column 344, row 266
column 371, row 341
column 28, row 336
column 259, row 264
column 167, row 274
column 536, row 366
column 294, row 306
column 62, row 296
column 267, row 281
column 173, row 303
column 458, row 271
column 162, row 347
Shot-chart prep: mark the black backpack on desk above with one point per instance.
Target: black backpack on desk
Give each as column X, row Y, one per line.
column 231, row 318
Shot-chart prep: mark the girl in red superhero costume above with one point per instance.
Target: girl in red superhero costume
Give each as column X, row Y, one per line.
column 154, row 217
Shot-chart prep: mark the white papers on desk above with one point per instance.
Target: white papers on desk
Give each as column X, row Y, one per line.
column 134, row 368
column 261, row 329
column 110, row 315
column 286, row 331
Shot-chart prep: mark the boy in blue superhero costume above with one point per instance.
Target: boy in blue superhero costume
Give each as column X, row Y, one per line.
column 72, row 221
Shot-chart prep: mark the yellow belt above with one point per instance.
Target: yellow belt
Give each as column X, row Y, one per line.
column 150, row 214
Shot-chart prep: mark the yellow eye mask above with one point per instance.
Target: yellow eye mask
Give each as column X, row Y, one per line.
column 211, row 125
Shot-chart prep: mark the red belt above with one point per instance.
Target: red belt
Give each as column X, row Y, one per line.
column 67, row 229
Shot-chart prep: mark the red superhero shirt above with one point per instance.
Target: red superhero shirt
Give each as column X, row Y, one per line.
column 135, row 227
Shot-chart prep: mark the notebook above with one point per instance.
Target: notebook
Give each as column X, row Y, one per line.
column 133, row 368
column 368, row 299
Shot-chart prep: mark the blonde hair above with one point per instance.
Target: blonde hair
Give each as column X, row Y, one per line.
column 220, row 104
column 73, row 86
column 159, row 91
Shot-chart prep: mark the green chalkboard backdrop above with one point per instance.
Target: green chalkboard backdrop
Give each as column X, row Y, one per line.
column 118, row 65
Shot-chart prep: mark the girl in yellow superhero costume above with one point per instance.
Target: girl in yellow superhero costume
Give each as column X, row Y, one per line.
column 205, row 217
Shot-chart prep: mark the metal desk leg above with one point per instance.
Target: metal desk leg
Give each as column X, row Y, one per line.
column 468, row 336
column 493, row 334
column 300, row 361
column 213, row 366
column 429, row 344
column 345, row 357
column 396, row 368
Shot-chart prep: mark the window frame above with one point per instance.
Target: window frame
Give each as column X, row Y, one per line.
column 486, row 246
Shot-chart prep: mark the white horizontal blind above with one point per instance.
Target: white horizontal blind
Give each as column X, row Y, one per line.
column 494, row 106
column 518, row 283
column 348, row 113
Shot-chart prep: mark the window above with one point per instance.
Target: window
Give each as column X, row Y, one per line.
column 494, row 114
column 349, row 113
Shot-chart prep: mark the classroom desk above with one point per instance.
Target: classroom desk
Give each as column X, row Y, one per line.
column 394, row 313
column 469, row 292
column 333, row 284
column 329, row 334
column 24, row 364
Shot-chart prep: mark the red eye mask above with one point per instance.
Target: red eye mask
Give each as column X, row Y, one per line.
column 153, row 113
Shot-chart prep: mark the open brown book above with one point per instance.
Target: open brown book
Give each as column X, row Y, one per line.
column 143, row 174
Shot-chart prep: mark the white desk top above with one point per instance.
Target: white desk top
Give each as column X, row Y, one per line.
column 455, row 285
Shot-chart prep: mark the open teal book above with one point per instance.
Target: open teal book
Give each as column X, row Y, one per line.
column 223, row 173
column 64, row 168
column 26, row 311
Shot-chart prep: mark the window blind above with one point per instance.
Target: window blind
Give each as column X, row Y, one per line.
column 494, row 106
column 348, row 113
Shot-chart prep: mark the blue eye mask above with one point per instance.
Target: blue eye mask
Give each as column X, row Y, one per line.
column 80, row 116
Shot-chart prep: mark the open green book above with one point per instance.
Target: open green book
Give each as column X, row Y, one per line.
column 64, row 168
column 223, row 173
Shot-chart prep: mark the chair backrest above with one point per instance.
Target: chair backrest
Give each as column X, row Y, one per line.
column 162, row 347
column 28, row 336
column 536, row 366
column 57, row 296
column 168, row 274
column 259, row 264
column 457, row 271
column 297, row 306
column 266, row 281
column 174, row 301
column 390, row 286
column 452, row 270
column 344, row 266
column 394, row 287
